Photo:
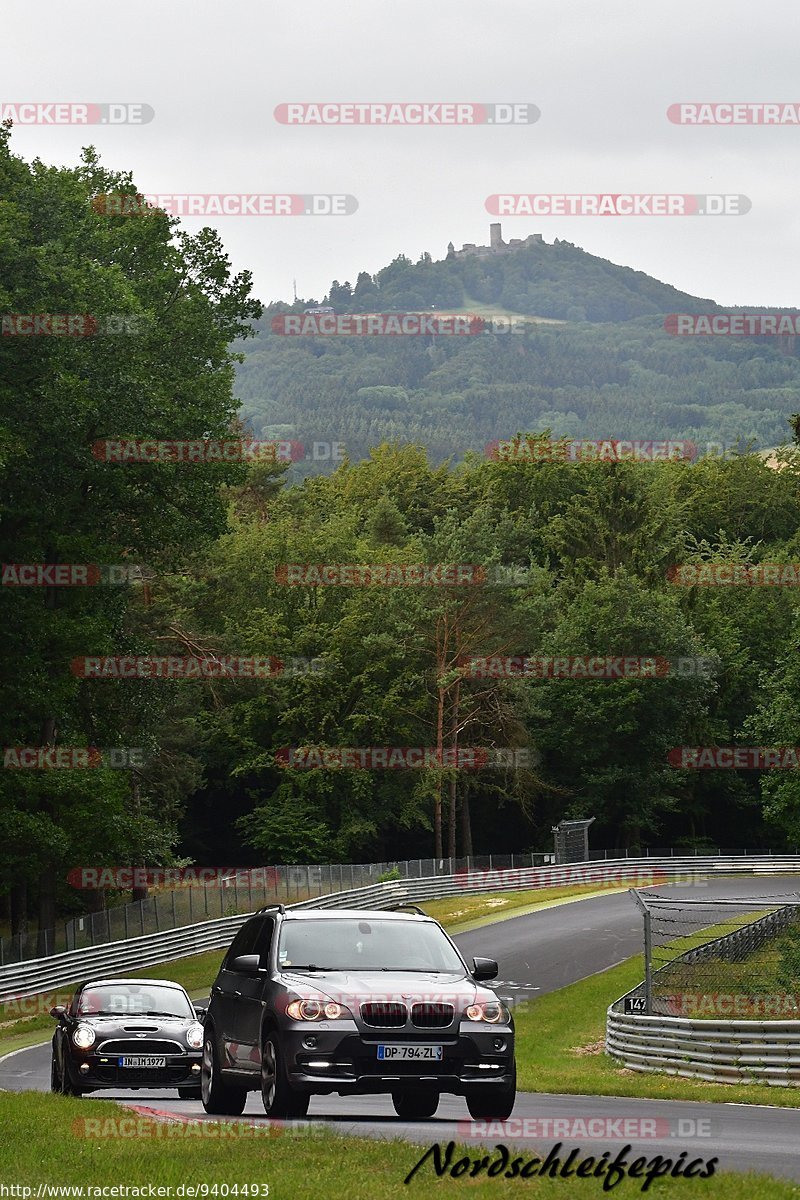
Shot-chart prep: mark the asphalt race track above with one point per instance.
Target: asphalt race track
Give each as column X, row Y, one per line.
column 540, row 952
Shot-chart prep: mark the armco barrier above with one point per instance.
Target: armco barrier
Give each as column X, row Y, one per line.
column 38, row 975
column 717, row 1051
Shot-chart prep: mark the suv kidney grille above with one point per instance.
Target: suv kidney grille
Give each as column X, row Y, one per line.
column 432, row 1016
column 384, row 1015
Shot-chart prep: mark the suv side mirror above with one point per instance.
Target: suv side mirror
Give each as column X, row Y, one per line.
column 58, row 1011
column 246, row 964
column 484, row 968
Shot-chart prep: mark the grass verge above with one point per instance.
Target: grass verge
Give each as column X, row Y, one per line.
column 44, row 1142
column 459, row 913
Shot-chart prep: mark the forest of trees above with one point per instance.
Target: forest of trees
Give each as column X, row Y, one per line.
column 575, row 560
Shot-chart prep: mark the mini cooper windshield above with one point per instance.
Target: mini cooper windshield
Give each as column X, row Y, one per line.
column 134, row 1000
column 360, row 945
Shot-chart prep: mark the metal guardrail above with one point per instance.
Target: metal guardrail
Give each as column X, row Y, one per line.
column 715, row 1050
column 39, row 975
column 31, row 977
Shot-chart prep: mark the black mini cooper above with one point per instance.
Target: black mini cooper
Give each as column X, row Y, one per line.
column 127, row 1033
column 311, row 1002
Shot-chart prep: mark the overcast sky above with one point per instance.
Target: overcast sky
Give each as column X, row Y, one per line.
column 602, row 75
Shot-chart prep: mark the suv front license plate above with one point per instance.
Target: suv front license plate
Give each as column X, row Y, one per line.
column 142, row 1061
column 410, row 1053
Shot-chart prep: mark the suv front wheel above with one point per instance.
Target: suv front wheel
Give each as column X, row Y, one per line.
column 493, row 1103
column 217, row 1096
column 281, row 1100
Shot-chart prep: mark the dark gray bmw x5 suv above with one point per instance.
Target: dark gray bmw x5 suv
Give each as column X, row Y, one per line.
column 310, row 1002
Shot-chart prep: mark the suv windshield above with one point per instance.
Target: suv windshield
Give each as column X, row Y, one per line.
column 347, row 944
column 132, row 1000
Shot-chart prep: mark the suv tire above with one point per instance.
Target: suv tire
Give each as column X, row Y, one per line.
column 218, row 1097
column 415, row 1105
column 493, row 1103
column 281, row 1101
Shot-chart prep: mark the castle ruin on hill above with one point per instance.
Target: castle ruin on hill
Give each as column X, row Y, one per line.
column 496, row 244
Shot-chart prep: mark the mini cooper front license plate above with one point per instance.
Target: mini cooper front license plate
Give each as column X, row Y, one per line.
column 146, row 1061
column 410, row 1053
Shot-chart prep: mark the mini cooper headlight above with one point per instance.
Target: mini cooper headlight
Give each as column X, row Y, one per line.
column 315, row 1010
column 194, row 1036
column 491, row 1011
column 83, row 1037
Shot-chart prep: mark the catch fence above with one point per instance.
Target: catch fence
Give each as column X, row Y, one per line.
column 713, row 958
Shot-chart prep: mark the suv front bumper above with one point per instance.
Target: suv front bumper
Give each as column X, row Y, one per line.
column 346, row 1060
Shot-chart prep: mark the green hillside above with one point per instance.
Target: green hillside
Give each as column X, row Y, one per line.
column 599, row 365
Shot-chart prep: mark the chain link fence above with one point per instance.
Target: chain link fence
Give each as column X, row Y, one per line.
column 732, row 958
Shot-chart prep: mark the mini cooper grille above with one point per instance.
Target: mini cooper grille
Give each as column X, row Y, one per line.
column 432, row 1016
column 387, row 1015
column 140, row 1046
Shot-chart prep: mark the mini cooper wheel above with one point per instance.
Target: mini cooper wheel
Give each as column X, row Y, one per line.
column 66, row 1086
column 415, row 1106
column 493, row 1103
column 55, row 1081
column 280, row 1099
column 217, row 1096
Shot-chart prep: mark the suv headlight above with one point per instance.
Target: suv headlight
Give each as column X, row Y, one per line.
column 492, row 1011
column 316, row 1010
column 83, row 1037
column 194, row 1036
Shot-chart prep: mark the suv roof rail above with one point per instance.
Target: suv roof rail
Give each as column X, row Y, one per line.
column 281, row 908
column 411, row 907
